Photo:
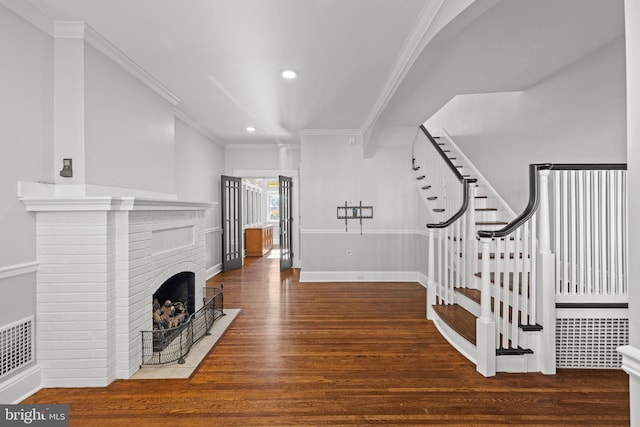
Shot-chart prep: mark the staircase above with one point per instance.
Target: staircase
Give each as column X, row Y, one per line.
column 493, row 288
column 455, row 311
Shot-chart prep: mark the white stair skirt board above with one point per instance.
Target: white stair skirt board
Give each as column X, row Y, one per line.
column 458, row 342
column 422, row 279
column 359, row 276
column 197, row 353
column 20, row 386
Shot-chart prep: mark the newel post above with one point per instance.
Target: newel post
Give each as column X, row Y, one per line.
column 485, row 325
column 545, row 288
column 431, row 274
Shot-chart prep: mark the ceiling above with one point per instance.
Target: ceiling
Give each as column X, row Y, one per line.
column 223, row 58
column 371, row 67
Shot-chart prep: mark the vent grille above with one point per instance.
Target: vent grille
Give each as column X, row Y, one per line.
column 590, row 342
column 16, row 346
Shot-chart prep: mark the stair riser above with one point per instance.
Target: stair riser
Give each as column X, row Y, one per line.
column 486, row 215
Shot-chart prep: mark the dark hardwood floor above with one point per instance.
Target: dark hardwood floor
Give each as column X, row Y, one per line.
column 342, row 354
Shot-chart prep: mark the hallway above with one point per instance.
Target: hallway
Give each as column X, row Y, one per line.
column 342, row 354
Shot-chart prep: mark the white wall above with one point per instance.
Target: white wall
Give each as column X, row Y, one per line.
column 575, row 116
column 199, row 162
column 633, row 153
column 129, row 129
column 261, row 157
column 26, row 90
column 334, row 171
column 632, row 12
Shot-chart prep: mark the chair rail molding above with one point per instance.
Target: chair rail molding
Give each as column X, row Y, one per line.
column 18, row 269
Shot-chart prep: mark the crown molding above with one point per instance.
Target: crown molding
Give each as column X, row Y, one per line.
column 80, row 30
column 260, row 146
column 198, row 127
column 116, row 55
column 413, row 46
column 29, row 13
column 329, row 132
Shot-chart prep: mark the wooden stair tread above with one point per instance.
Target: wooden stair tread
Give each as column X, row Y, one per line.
column 492, row 279
column 472, row 294
column 475, row 295
column 458, row 319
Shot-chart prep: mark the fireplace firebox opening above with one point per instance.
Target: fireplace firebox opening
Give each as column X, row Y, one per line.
column 174, row 301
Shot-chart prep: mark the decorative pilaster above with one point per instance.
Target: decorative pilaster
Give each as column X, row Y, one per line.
column 68, row 100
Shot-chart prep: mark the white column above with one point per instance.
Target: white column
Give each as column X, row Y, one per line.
column 470, row 250
column 632, row 45
column 631, row 365
column 431, row 274
column 68, row 100
column 545, row 287
column 485, row 325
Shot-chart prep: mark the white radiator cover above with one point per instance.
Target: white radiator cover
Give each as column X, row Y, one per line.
column 590, row 342
column 16, row 346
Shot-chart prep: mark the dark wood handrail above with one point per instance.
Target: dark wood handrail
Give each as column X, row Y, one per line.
column 463, row 208
column 534, row 192
column 446, row 159
column 464, row 181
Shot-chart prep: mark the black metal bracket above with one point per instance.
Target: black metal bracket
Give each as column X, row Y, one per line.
column 359, row 212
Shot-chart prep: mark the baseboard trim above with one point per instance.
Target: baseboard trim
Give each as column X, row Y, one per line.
column 212, row 271
column 20, row 386
column 422, row 279
column 359, row 276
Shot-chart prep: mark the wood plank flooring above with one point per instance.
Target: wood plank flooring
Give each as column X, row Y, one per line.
column 342, row 354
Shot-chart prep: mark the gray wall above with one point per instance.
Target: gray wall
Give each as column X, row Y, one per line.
column 334, row 171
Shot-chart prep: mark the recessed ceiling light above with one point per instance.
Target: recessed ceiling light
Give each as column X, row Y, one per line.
column 251, row 129
column 289, row 73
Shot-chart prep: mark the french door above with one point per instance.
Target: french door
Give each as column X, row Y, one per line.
column 230, row 193
column 286, row 218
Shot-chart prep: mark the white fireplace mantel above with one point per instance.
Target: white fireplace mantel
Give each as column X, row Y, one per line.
column 102, row 253
column 55, row 197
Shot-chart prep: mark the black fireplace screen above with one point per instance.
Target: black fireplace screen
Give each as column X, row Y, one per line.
column 161, row 346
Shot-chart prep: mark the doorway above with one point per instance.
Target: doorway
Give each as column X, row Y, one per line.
column 269, row 181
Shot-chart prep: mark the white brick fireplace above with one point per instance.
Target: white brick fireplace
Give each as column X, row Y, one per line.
column 100, row 259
